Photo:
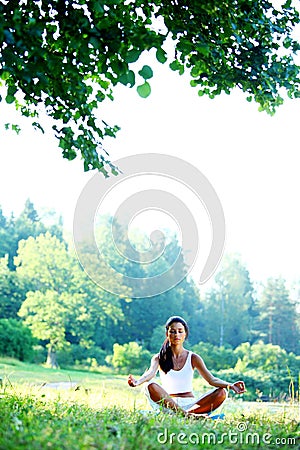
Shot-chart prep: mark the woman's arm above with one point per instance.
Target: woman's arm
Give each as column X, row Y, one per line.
column 197, row 362
column 147, row 375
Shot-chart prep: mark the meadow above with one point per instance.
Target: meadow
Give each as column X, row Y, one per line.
column 42, row 408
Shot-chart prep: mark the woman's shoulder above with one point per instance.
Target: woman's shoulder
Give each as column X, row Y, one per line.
column 195, row 358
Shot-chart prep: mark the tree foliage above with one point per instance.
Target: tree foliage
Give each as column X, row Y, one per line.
column 16, row 340
column 229, row 306
column 68, row 56
column 259, row 355
column 130, row 357
column 216, row 358
column 45, row 314
column 12, row 291
column 63, row 305
column 27, row 224
column 75, row 318
column 278, row 316
column 45, row 261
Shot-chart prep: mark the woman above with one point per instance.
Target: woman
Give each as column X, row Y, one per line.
column 176, row 366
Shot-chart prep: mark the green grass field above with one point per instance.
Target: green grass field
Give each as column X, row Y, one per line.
column 100, row 411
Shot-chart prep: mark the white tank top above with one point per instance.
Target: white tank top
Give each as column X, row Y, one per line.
column 178, row 381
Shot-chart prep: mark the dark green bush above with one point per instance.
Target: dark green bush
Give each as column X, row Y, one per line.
column 215, row 358
column 16, row 340
column 78, row 355
column 267, row 370
column 273, row 384
column 129, row 358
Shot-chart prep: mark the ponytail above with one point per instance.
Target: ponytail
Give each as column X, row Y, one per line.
column 165, row 357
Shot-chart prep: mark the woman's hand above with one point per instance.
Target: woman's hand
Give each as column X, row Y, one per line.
column 132, row 381
column 238, row 387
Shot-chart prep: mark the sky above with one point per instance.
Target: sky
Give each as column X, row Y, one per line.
column 251, row 160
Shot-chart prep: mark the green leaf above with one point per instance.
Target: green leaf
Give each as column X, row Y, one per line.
column 16, row 128
column 132, row 56
column 96, row 43
column 131, row 78
column 287, row 4
column 5, row 75
column 176, row 65
column 127, row 78
column 194, row 72
column 287, row 42
column 8, row 37
column 99, row 96
column 10, row 99
column 11, row 90
column 146, row 72
column 194, row 83
column 203, row 49
column 36, row 125
column 161, row 55
column 144, row 90
column 98, row 6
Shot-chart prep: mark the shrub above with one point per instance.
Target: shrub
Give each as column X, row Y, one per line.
column 215, row 358
column 16, row 340
column 129, row 357
column 267, row 370
column 78, row 355
column 267, row 357
column 157, row 338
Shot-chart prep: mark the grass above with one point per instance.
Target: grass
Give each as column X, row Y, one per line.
column 104, row 413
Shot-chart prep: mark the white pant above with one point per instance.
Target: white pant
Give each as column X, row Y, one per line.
column 183, row 402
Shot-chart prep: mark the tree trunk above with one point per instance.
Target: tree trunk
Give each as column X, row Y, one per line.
column 51, row 357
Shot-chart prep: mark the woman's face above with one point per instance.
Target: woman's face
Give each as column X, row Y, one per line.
column 176, row 333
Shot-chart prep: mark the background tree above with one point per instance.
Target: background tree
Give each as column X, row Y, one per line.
column 73, row 305
column 259, row 365
column 6, row 236
column 12, row 291
column 16, row 340
column 45, row 314
column 142, row 316
column 267, row 357
column 27, row 224
column 68, row 56
column 193, row 310
column 216, row 358
column 278, row 316
column 229, row 306
column 45, row 261
column 130, row 357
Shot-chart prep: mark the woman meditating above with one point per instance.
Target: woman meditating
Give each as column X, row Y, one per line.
column 176, row 367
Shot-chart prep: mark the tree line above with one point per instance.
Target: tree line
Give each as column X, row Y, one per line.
column 50, row 308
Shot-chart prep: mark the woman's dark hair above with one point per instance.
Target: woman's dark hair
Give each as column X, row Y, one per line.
column 165, row 354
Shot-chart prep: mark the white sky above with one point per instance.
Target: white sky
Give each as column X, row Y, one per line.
column 250, row 158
